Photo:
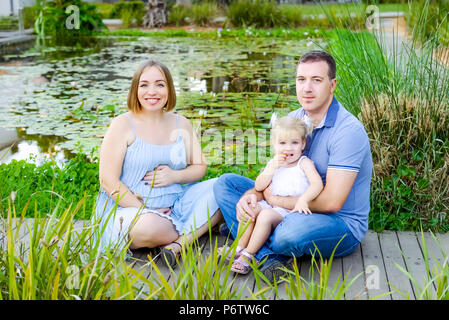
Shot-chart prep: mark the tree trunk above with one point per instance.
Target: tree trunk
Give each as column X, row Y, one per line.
column 156, row 15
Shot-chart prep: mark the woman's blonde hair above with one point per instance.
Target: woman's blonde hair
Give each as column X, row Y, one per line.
column 133, row 101
column 287, row 127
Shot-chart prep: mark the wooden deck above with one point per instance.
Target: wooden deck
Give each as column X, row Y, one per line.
column 378, row 258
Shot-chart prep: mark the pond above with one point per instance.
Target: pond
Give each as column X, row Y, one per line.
column 58, row 105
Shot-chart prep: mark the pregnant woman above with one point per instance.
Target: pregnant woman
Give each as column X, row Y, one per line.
column 149, row 160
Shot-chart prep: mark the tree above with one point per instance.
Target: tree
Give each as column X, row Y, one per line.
column 156, row 15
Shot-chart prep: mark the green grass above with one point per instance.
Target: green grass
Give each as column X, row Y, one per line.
column 47, row 184
column 62, row 262
column 300, row 33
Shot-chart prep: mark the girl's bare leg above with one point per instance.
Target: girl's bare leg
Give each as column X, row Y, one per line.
column 267, row 220
column 246, row 236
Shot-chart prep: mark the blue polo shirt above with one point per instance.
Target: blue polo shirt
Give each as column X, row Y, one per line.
column 340, row 142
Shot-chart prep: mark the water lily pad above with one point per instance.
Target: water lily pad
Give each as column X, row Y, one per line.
column 238, row 83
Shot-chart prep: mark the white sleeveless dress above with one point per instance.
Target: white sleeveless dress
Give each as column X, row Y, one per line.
column 287, row 182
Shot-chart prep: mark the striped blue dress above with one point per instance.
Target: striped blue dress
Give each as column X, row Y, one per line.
column 191, row 203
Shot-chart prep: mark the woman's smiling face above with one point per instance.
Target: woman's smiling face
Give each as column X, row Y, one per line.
column 153, row 90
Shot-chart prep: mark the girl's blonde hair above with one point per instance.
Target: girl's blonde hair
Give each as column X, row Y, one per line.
column 287, row 127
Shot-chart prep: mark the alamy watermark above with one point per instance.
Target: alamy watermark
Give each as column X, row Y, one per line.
column 372, row 281
column 373, row 17
column 73, row 20
column 73, row 279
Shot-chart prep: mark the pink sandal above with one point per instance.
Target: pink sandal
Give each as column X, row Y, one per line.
column 227, row 249
column 244, row 265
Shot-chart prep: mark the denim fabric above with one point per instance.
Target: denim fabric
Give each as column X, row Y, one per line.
column 341, row 143
column 297, row 234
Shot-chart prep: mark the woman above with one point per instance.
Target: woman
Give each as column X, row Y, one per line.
column 146, row 154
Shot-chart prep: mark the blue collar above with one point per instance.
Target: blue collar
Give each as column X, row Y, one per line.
column 331, row 115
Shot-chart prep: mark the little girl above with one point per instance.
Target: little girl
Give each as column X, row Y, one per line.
column 287, row 174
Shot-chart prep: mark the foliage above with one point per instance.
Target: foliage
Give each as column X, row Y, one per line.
column 59, row 259
column 240, row 33
column 45, row 185
column 29, row 16
column 429, row 20
column 105, row 9
column 404, row 108
column 267, row 14
column 177, row 15
column 258, row 14
column 56, row 20
column 127, row 10
column 9, row 23
column 203, row 14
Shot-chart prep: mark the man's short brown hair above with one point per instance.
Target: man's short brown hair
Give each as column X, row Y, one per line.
column 316, row 56
column 133, row 101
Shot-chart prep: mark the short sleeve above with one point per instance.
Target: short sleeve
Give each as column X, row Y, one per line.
column 348, row 147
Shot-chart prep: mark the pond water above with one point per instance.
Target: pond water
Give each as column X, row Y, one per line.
column 60, row 106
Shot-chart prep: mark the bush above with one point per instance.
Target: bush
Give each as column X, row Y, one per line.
column 177, row 15
column 403, row 103
column 29, row 16
column 127, row 10
column 104, row 8
column 46, row 184
column 52, row 21
column 267, row 14
column 203, row 14
column 258, row 14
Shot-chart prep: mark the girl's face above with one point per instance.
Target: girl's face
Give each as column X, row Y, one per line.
column 153, row 90
column 291, row 146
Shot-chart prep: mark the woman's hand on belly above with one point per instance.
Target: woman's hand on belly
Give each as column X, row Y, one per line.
column 163, row 176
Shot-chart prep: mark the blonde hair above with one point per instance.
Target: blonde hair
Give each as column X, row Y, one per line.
column 287, row 127
column 133, row 101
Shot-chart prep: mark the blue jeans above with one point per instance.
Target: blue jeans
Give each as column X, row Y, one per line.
column 297, row 234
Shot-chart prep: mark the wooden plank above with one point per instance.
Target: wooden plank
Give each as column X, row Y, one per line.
column 392, row 256
column 414, row 261
column 443, row 239
column 336, row 273
column 353, row 266
column 5, row 225
column 435, row 252
column 375, row 274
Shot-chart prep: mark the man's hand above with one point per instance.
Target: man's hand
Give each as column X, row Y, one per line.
column 247, row 207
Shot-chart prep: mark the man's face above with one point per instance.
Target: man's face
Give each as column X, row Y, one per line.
column 314, row 89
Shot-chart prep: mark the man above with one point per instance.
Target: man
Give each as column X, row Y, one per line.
column 340, row 149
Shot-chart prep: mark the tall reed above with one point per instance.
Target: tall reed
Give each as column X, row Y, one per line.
column 400, row 92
